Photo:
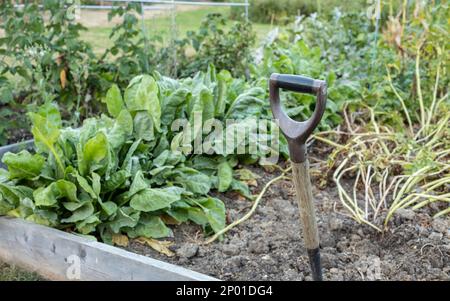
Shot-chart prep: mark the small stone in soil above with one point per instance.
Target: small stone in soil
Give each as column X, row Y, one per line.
column 231, row 250
column 327, row 240
column 187, row 250
column 435, row 236
column 258, row 247
column 335, row 224
column 441, row 225
column 405, row 213
column 329, row 260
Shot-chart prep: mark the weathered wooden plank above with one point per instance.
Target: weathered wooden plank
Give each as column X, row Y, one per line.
column 58, row 255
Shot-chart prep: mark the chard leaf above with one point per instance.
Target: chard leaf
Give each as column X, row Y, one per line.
column 116, row 180
column 109, row 208
column 85, row 185
column 224, row 78
column 194, row 181
column 150, row 226
column 142, row 95
column 122, row 129
column 126, row 217
column 143, row 126
column 88, row 225
column 23, row 165
column 173, row 103
column 80, row 214
column 225, row 175
column 11, row 196
column 242, row 188
column 214, row 210
column 49, row 196
column 197, row 215
column 250, row 103
column 94, row 151
column 96, row 185
column 44, row 217
column 152, row 199
column 114, row 101
column 46, row 134
column 138, row 184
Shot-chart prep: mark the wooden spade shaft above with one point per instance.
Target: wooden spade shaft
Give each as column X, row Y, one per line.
column 297, row 133
column 302, row 183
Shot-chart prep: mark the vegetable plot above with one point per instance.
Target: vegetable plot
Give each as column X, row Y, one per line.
column 126, row 173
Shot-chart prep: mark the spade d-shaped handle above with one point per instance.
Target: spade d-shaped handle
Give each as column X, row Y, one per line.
column 297, row 132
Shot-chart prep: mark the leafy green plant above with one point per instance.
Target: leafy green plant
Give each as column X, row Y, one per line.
column 397, row 147
column 127, row 172
column 133, row 52
column 284, row 11
column 44, row 59
column 227, row 49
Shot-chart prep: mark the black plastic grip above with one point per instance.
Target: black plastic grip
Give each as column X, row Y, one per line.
column 295, row 83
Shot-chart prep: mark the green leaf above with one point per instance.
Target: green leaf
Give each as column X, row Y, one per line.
column 11, row 196
column 23, row 165
column 225, row 174
column 150, row 226
column 46, row 133
column 94, row 151
column 138, row 184
column 202, row 105
column 44, row 217
column 214, row 210
column 116, row 181
column 126, row 217
column 142, row 95
column 88, row 225
column 152, row 199
column 80, row 214
column 122, row 129
column 195, row 181
column 224, row 77
column 249, row 103
column 114, row 101
column 172, row 104
column 197, row 215
column 84, row 184
column 49, row 196
column 109, row 207
column 96, row 185
column 242, row 188
column 143, row 126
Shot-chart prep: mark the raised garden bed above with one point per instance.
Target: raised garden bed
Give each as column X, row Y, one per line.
column 55, row 254
column 58, row 255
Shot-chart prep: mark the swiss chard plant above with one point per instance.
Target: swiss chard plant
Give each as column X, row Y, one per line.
column 128, row 172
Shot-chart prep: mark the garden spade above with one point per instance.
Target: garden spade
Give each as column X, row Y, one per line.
column 296, row 134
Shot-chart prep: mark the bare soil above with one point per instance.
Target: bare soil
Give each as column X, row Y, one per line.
column 269, row 245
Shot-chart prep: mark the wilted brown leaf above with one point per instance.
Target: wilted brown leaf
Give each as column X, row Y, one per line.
column 120, row 240
column 160, row 246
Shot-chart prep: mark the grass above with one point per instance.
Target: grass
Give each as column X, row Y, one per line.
column 162, row 25
column 11, row 273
